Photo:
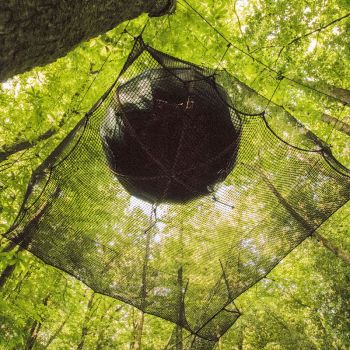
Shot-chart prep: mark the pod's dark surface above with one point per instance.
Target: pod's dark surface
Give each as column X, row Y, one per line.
column 172, row 138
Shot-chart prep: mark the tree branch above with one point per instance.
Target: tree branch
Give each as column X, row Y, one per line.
column 300, row 37
column 337, row 251
column 239, row 25
column 24, row 145
column 336, row 123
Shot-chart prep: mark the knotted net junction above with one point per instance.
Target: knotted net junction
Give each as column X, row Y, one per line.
column 183, row 262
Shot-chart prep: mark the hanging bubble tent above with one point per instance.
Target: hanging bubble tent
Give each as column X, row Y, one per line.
column 176, row 193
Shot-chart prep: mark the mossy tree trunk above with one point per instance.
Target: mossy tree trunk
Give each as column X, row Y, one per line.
column 336, row 123
column 337, row 251
column 37, row 32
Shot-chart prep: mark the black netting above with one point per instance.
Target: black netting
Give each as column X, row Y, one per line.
column 177, row 192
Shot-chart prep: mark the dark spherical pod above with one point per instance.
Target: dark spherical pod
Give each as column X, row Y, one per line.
column 169, row 135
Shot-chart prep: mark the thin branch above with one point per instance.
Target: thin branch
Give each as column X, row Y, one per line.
column 317, row 30
column 337, row 251
column 24, row 145
column 336, row 123
column 240, row 26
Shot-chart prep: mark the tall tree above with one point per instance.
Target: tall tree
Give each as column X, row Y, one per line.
column 336, row 123
column 85, row 327
column 35, row 329
column 37, row 33
column 337, row 251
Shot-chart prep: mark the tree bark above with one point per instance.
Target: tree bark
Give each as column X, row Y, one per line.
column 136, row 342
column 84, row 330
column 34, row 330
column 340, row 93
column 179, row 333
column 106, row 319
column 332, row 91
column 336, row 123
column 24, row 238
column 57, row 332
column 37, row 32
column 337, row 251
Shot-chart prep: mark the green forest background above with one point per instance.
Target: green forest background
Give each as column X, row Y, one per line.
column 304, row 303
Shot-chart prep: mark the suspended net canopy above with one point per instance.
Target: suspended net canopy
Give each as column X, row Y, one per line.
column 177, row 192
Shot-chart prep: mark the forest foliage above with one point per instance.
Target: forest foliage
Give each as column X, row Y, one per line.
column 304, row 303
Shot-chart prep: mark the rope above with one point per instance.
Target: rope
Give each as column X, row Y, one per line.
column 280, row 77
column 273, row 94
column 222, row 58
column 257, row 59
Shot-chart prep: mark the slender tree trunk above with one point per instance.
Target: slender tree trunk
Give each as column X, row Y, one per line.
column 136, row 343
column 138, row 330
column 340, row 93
column 343, row 95
column 18, row 286
column 336, row 123
column 32, row 336
column 21, row 145
column 85, row 328
column 101, row 334
column 179, row 332
column 7, row 272
column 176, row 340
column 57, row 332
column 24, row 238
column 138, row 318
column 35, row 33
column 181, row 291
column 9, row 150
column 5, row 275
column 240, row 344
column 337, row 251
column 34, row 331
column 102, row 342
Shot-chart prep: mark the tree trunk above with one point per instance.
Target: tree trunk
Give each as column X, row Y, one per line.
column 105, row 320
column 84, row 330
column 34, row 330
column 136, row 343
column 24, row 238
column 179, row 333
column 340, row 253
column 337, row 251
column 338, row 93
column 35, row 33
column 17, row 289
column 336, row 123
column 20, row 145
column 57, row 332
column 5, row 275
column 138, row 323
column 7, row 272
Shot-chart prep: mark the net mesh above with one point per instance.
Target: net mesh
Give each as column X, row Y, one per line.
column 183, row 258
